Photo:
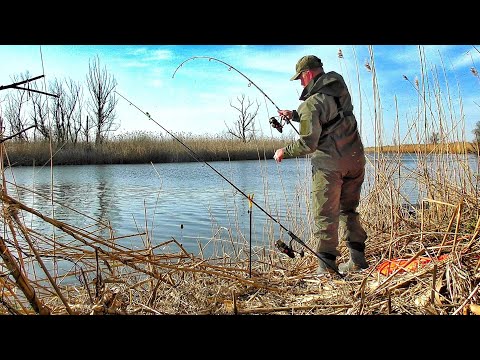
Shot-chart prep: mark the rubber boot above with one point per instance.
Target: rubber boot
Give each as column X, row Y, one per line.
column 357, row 262
column 327, row 264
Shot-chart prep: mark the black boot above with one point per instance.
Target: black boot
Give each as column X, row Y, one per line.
column 357, row 261
column 327, row 264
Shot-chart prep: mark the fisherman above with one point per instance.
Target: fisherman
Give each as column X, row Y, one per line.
column 329, row 131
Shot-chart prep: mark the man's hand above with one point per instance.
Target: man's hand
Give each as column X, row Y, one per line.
column 288, row 114
column 279, row 155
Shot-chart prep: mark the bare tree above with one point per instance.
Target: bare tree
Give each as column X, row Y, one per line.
column 101, row 86
column 86, row 130
column 39, row 113
column 15, row 112
column 244, row 126
column 59, row 113
column 435, row 138
column 17, row 115
column 76, row 102
column 67, row 110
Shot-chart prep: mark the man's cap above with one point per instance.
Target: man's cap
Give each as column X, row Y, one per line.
column 307, row 62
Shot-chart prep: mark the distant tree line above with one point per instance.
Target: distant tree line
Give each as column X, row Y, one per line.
column 76, row 115
column 73, row 115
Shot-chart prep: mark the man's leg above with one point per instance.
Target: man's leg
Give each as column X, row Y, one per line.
column 326, row 189
column 355, row 235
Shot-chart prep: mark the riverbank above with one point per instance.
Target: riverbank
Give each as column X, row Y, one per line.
column 453, row 148
column 143, row 148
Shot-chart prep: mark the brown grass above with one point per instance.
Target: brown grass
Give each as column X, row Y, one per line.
column 441, row 148
column 141, row 148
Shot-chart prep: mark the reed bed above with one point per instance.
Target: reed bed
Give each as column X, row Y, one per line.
column 141, row 148
column 424, row 257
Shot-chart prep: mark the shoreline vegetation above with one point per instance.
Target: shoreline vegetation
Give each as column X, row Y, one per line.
column 147, row 148
column 438, row 148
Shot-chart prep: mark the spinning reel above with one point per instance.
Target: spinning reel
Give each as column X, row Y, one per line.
column 288, row 249
column 275, row 124
column 278, row 124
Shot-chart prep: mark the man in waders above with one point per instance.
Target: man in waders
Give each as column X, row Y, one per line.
column 328, row 131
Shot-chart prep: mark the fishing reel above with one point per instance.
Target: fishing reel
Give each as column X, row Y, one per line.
column 288, row 249
column 278, row 124
column 275, row 124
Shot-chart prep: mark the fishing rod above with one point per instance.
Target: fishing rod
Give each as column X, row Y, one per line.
column 286, row 249
column 273, row 121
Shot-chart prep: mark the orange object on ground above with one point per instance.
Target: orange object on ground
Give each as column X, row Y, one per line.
column 389, row 266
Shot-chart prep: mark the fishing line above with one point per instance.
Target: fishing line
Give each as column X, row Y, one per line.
column 287, row 249
column 272, row 120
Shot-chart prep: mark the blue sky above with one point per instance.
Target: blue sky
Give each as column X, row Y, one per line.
column 197, row 99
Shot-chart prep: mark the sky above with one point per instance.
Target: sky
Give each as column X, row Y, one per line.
column 186, row 93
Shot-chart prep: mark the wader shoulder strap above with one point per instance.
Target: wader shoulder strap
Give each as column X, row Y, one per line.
column 341, row 114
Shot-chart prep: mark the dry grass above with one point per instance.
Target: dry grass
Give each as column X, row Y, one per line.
column 453, row 148
column 141, row 148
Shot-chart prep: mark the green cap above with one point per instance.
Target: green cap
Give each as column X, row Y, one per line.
column 307, row 62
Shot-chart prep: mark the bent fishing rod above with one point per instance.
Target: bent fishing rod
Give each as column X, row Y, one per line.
column 273, row 121
column 286, row 249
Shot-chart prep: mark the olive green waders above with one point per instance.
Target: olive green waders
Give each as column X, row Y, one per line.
column 335, row 198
